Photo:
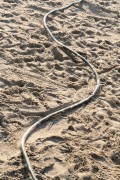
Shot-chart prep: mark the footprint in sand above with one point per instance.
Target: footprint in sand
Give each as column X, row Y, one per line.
column 115, row 157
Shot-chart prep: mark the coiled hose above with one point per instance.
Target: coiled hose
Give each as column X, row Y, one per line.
column 34, row 126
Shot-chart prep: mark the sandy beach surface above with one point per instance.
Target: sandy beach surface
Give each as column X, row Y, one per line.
column 37, row 77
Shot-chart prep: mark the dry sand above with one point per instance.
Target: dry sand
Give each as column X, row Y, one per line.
column 38, row 77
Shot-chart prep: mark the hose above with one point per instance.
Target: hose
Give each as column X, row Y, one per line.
column 34, row 126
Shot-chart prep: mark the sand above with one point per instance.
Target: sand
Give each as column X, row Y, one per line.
column 38, row 77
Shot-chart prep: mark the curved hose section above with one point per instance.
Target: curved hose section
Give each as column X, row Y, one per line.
column 34, row 126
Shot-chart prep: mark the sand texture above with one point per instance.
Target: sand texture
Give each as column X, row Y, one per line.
column 37, row 77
